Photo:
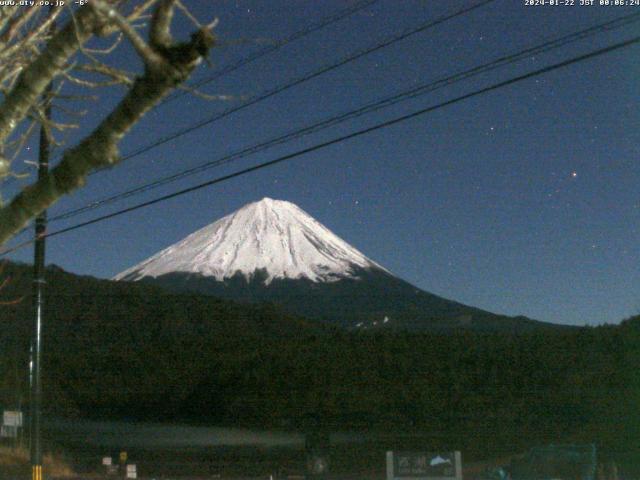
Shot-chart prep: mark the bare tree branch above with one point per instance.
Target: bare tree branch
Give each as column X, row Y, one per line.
column 16, row 23
column 208, row 96
column 108, row 50
column 166, row 67
column 150, row 56
column 35, row 78
column 160, row 35
column 8, row 52
column 116, row 74
column 140, row 10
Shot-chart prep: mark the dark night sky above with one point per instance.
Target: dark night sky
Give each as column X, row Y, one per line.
column 524, row 200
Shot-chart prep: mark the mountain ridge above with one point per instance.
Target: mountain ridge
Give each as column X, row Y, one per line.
column 271, row 251
column 372, row 301
column 273, row 235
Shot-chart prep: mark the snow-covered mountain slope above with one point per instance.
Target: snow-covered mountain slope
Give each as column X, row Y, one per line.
column 271, row 251
column 271, row 236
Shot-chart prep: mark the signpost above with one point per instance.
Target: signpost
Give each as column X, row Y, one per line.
column 11, row 422
column 11, row 418
column 132, row 471
column 424, row 466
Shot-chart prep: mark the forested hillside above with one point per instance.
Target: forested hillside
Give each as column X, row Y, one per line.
column 117, row 350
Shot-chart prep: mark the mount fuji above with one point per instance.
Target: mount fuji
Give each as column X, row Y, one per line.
column 270, row 236
column 272, row 251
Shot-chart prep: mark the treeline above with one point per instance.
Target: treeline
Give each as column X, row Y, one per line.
column 488, row 394
column 132, row 351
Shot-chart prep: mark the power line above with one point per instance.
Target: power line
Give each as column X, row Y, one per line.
column 343, row 138
column 265, row 51
column 371, row 107
column 270, row 93
column 388, row 41
column 271, row 48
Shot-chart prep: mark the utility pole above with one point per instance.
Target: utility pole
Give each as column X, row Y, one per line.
column 35, row 437
column 38, row 301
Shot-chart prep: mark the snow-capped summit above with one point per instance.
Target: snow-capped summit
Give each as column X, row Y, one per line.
column 272, row 251
column 273, row 236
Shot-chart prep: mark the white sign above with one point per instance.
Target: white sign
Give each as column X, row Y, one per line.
column 106, row 461
column 131, row 471
column 424, row 466
column 12, row 418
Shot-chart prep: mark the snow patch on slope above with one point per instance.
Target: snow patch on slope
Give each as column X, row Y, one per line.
column 271, row 235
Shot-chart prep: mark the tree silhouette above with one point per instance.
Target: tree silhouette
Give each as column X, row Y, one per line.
column 33, row 55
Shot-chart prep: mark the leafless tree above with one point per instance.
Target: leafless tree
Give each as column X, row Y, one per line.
column 34, row 56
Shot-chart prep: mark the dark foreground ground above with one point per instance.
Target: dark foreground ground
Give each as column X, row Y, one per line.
column 162, row 451
column 253, row 463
